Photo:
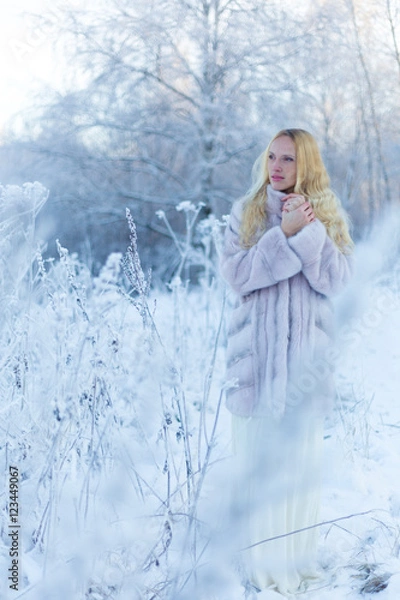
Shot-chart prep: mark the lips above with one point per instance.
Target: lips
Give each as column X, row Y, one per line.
column 276, row 178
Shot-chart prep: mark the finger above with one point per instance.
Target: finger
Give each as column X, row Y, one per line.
column 288, row 206
column 299, row 198
column 289, row 196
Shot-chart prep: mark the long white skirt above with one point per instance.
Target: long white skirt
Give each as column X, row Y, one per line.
column 277, row 491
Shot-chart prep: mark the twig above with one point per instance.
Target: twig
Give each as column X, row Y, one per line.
column 207, row 383
column 203, row 472
column 283, row 535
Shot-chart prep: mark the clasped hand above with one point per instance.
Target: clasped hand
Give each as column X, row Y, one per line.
column 296, row 214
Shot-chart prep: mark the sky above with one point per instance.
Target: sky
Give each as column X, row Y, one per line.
column 26, row 57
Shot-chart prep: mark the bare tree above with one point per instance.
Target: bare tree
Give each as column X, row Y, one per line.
column 170, row 106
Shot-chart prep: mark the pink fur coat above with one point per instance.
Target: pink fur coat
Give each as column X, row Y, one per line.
column 282, row 322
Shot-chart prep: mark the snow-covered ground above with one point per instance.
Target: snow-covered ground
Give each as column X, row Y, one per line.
column 113, row 416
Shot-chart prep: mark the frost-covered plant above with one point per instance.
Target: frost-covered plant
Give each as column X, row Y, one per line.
column 140, row 286
column 198, row 246
column 114, row 437
column 184, row 423
column 19, row 207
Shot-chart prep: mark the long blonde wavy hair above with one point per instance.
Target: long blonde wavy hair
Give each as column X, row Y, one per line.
column 312, row 182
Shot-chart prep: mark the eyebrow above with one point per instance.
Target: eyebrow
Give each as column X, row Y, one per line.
column 284, row 155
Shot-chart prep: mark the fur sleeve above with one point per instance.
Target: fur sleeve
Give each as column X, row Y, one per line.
column 264, row 264
column 326, row 268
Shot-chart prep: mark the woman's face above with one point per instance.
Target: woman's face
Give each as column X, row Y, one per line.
column 282, row 164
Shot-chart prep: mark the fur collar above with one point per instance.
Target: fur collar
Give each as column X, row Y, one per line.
column 274, row 202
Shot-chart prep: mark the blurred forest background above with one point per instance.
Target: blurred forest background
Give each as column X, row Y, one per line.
column 172, row 100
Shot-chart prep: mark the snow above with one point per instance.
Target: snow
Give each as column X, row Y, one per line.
column 106, row 408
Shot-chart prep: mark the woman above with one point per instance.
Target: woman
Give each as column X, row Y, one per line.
column 287, row 250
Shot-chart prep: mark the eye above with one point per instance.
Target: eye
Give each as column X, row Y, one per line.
column 289, row 159
column 270, row 156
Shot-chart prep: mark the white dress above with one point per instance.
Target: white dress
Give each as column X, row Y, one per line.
column 277, row 491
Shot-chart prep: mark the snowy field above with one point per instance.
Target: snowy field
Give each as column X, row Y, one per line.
column 112, row 416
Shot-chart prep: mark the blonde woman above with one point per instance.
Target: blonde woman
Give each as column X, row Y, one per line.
column 287, row 250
